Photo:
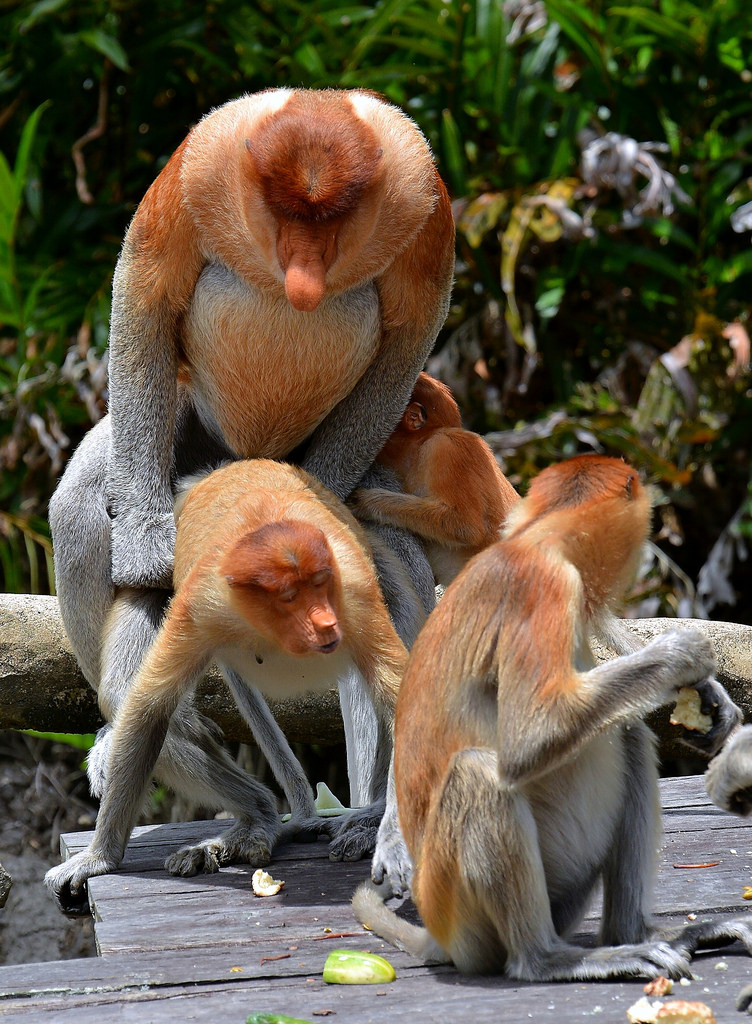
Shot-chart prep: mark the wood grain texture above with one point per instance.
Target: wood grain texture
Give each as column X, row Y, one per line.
column 198, row 949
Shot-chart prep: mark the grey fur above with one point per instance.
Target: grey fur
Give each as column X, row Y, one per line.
column 544, row 817
column 192, row 761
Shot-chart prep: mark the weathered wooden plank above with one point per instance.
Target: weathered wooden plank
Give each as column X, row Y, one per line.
column 160, row 912
column 192, row 949
column 436, row 995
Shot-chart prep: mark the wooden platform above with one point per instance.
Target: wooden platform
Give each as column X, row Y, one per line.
column 206, row 949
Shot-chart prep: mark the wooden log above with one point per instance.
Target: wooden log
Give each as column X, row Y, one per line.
column 41, row 686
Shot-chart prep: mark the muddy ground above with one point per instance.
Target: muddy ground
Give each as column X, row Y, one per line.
column 43, row 792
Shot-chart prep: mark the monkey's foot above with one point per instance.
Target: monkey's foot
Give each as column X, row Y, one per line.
column 308, row 830
column 68, row 881
column 242, row 843
column 744, row 999
column 571, row 963
column 356, row 835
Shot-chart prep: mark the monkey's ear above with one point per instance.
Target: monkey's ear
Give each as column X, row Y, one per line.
column 415, row 416
column 629, row 485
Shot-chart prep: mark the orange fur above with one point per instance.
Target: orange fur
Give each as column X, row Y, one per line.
column 235, row 190
column 518, row 613
column 268, row 562
column 457, row 497
column 288, row 271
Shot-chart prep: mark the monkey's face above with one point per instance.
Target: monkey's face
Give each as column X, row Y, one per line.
column 304, row 615
column 283, row 580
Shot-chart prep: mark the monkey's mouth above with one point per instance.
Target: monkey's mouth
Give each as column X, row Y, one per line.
column 328, row 648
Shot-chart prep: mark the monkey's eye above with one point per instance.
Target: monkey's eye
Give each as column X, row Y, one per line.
column 287, row 596
column 320, row 579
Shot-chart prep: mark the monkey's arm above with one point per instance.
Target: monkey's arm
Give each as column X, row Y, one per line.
column 536, row 736
column 153, row 282
column 414, row 295
column 715, row 701
column 427, row 516
column 138, row 736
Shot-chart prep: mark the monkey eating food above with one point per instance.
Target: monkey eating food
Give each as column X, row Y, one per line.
column 524, row 772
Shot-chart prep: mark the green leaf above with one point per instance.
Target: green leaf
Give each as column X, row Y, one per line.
column 40, row 11
column 274, row 1018
column 81, row 741
column 107, row 45
column 24, row 149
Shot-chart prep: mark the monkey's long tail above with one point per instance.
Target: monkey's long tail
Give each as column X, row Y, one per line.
column 370, row 909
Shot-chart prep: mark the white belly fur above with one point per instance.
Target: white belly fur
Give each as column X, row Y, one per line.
column 282, row 676
column 238, row 339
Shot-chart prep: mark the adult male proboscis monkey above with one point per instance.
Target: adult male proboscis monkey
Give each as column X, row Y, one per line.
column 274, row 580
column 523, row 772
column 279, row 289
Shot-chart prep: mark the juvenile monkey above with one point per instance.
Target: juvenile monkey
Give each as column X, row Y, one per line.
column 278, row 290
column 456, row 497
column 523, row 772
column 274, row 580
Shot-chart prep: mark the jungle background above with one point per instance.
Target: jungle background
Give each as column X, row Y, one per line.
column 599, row 158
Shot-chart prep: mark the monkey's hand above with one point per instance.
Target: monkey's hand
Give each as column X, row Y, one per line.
column 728, row 780
column 677, row 658
column 142, row 550
column 68, row 881
column 725, row 715
column 365, row 503
column 391, row 860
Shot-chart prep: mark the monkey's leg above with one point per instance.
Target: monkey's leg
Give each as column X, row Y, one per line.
column 192, row 761
column 80, row 525
column 630, row 865
column 304, row 822
column 498, row 915
column 407, row 583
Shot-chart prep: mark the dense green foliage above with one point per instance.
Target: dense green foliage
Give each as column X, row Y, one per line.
column 567, row 291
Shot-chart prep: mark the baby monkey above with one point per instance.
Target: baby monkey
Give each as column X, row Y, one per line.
column 524, row 772
column 456, row 497
column 274, row 581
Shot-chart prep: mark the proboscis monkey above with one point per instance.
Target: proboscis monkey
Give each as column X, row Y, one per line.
column 279, row 289
column 292, row 264
column 523, row 772
column 274, row 580
column 454, row 494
